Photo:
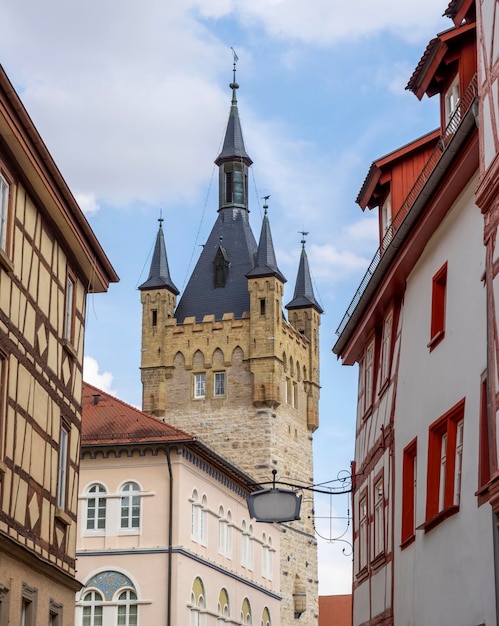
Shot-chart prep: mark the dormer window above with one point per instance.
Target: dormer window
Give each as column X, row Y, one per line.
column 386, row 215
column 451, row 99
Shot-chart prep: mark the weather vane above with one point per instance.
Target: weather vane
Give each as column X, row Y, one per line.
column 303, row 234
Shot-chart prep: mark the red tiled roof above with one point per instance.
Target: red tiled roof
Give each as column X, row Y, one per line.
column 335, row 610
column 107, row 420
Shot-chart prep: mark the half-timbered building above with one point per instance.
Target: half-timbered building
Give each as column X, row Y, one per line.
column 49, row 260
column 417, row 330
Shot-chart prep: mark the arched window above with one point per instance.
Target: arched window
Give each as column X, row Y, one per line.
column 199, row 518
column 223, row 607
column 127, row 608
column 266, row 621
column 246, row 613
column 224, row 533
column 130, row 506
column 250, row 547
column 96, row 508
column 266, row 557
column 198, row 603
column 92, row 608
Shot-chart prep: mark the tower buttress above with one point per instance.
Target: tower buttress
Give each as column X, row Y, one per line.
column 158, row 297
column 265, row 284
column 305, row 315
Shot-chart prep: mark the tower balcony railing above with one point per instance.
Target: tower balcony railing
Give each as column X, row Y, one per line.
column 464, row 105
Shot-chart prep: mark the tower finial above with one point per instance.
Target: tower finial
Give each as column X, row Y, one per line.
column 160, row 218
column 303, row 234
column 265, row 205
column 233, row 84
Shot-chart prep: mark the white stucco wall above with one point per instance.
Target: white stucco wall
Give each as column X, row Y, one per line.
column 446, row 576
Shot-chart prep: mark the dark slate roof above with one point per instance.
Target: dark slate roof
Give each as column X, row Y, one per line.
column 266, row 264
column 304, row 292
column 200, row 298
column 105, row 419
column 159, row 274
column 233, row 147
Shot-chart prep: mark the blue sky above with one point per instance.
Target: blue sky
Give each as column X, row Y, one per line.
column 132, row 102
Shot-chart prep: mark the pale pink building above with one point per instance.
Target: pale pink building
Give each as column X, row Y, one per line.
column 164, row 532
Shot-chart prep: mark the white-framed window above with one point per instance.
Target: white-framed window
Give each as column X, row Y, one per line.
column 386, row 345
column 451, row 99
column 386, row 215
column 92, row 608
column 366, row 378
column 363, row 532
column 4, row 212
column 127, row 608
column 247, row 546
column 267, row 557
column 96, row 507
column 199, row 518
column 200, row 385
column 69, row 308
column 458, row 463
column 379, row 518
column 219, row 384
column 224, row 533
column 130, row 506
column 62, row 469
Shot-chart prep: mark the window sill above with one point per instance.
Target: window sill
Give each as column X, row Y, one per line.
column 439, row 517
column 3, row 468
column 384, row 387
column 62, row 517
column 483, row 494
column 435, row 340
column 362, row 574
column 378, row 561
column 5, row 262
column 70, row 349
column 367, row 414
column 407, row 542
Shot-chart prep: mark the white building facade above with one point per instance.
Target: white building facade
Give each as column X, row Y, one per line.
column 164, row 531
column 417, row 327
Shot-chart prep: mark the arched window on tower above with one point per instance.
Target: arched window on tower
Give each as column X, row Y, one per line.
column 96, row 507
column 127, row 608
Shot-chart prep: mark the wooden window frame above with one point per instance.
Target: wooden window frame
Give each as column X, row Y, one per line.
column 7, row 208
column 386, row 350
column 409, row 496
column 363, row 536
column 438, row 307
column 442, row 498
column 484, row 472
column 69, row 309
column 63, row 467
column 379, row 503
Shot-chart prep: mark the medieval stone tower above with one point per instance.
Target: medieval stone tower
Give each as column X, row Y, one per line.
column 225, row 365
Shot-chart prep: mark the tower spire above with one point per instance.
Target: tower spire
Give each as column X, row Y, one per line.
column 233, row 146
column 266, row 264
column 304, row 292
column 159, row 273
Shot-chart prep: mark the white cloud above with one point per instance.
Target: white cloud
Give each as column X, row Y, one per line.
column 321, row 22
column 88, row 203
column 364, row 230
column 91, row 375
column 334, row 264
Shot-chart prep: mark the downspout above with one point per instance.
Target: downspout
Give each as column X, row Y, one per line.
column 170, row 540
